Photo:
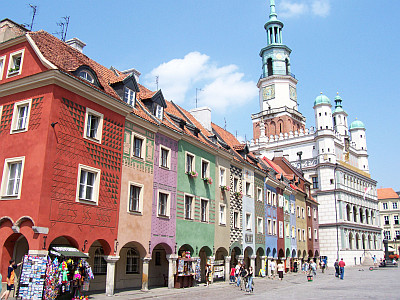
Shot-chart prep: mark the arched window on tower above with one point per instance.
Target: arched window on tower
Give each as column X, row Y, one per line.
column 276, row 33
column 269, row 67
column 287, row 66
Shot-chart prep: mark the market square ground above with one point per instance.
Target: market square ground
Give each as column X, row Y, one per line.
column 358, row 283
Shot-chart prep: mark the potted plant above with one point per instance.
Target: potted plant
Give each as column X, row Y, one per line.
column 208, row 180
column 192, row 174
column 225, row 188
column 238, row 194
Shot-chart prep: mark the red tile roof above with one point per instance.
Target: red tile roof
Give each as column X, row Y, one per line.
column 387, row 193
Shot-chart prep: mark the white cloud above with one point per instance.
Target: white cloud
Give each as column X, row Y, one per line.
column 295, row 8
column 222, row 87
column 321, row 8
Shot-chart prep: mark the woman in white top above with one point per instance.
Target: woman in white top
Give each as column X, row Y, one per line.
column 281, row 268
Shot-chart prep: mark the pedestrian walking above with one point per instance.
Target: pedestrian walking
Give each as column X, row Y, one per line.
column 237, row 270
column 306, row 267
column 239, row 275
column 337, row 271
column 313, row 268
column 281, row 268
column 273, row 269
column 250, row 280
column 232, row 275
column 10, row 278
column 243, row 278
column 208, row 274
column 341, row 266
column 375, row 261
column 323, row 266
column 325, row 261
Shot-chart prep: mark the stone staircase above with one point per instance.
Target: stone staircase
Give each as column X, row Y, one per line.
column 367, row 260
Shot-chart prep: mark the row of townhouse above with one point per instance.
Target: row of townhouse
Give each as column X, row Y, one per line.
column 94, row 160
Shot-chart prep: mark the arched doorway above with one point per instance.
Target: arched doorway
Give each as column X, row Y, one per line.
column 310, row 255
column 97, row 251
column 204, row 253
column 219, row 264
column 235, row 256
column 281, row 254
column 15, row 247
column 158, row 269
column 248, row 252
column 129, row 267
column 259, row 262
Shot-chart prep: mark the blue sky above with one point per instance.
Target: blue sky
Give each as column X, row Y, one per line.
column 341, row 46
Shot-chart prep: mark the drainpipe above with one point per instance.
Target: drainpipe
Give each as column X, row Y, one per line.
column 337, row 227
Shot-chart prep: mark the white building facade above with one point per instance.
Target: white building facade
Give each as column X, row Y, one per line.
column 332, row 155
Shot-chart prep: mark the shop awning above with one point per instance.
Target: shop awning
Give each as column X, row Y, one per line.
column 67, row 252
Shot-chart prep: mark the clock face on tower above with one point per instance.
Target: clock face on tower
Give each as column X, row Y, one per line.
column 269, row 92
column 293, row 93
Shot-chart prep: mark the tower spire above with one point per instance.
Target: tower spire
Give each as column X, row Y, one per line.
column 272, row 15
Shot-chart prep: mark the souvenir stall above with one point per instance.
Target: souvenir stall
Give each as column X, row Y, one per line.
column 219, row 270
column 64, row 274
column 185, row 271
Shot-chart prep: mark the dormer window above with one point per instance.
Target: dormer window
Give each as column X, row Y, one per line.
column 86, row 76
column 159, row 111
column 129, row 96
column 15, row 63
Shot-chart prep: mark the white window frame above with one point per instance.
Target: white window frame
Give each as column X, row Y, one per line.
column 309, row 211
column 260, row 225
column 207, row 175
column 235, row 187
column 168, row 204
column 303, row 231
column 207, row 210
column 5, row 177
column 168, row 157
column 309, row 233
column 129, row 96
column 394, row 204
column 269, row 197
column 2, row 64
column 86, row 75
column 287, row 229
column 140, row 204
column 302, row 213
column 386, row 220
column 11, row 63
column 274, row 227
column 222, row 214
column 316, row 234
column 384, row 205
column 274, row 199
column 99, row 131
column 236, row 219
column 396, row 220
column 222, row 177
column 293, row 232
column 299, row 234
column 192, row 205
column 280, row 200
column 142, row 148
column 193, row 166
column 14, row 121
column 1, row 112
column 248, row 222
column 248, row 189
column 292, row 211
column 315, row 213
column 281, row 230
column 96, row 186
column 270, row 227
column 159, row 112
column 259, row 194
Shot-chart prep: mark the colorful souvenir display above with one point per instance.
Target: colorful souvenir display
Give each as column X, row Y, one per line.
column 52, row 275
column 33, row 276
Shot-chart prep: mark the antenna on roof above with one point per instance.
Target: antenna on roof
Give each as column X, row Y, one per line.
column 64, row 28
column 225, row 124
column 196, row 94
column 236, row 133
column 34, row 8
column 157, row 81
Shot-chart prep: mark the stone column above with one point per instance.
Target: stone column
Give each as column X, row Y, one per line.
column 171, row 269
column 227, row 267
column 212, row 260
column 253, row 263
column 145, row 274
column 263, row 264
column 110, row 278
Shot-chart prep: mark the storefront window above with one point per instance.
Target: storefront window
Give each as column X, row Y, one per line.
column 132, row 262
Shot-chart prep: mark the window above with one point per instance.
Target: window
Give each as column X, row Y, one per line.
column 274, row 226
column 309, row 211
column 204, row 210
column 287, row 230
column 189, row 162
column 20, row 119
column 397, row 234
column 2, row 59
column 129, row 96
column 15, row 63
column 299, row 235
column 269, row 227
column 248, row 188
column 292, row 208
column 303, row 233
column 269, row 197
column 205, row 172
column 159, row 112
column 85, row 75
column 163, row 204
column 165, row 157
column 315, row 182
column 12, row 177
column 387, row 234
column 298, row 211
column 222, row 176
column 222, row 214
column 396, row 220
column 394, row 205
column 386, row 218
column 260, row 225
column 259, row 194
column 93, row 125
column 88, row 184
column 235, row 219
column 385, row 205
column 302, row 212
column 280, row 229
column 135, row 198
column 293, row 232
column 138, row 144
column 132, row 261
column 248, row 221
column 273, row 199
column 315, row 234
column 100, row 265
column 280, row 200
column 188, row 207
column 235, row 184
column 315, row 213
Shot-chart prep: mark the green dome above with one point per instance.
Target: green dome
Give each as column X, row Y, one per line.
column 357, row 124
column 338, row 97
column 322, row 99
column 338, row 110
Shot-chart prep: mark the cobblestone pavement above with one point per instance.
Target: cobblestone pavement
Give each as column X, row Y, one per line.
column 358, row 283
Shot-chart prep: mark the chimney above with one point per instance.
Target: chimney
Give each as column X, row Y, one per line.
column 286, row 156
column 76, row 43
column 135, row 72
column 203, row 115
column 278, row 153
